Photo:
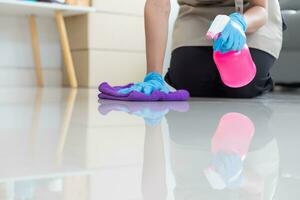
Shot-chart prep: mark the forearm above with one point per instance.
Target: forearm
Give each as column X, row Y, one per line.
column 256, row 16
column 156, row 29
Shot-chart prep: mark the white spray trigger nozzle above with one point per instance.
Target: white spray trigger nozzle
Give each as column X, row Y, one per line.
column 217, row 26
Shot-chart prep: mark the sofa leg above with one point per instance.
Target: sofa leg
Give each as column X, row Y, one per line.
column 66, row 49
column 36, row 51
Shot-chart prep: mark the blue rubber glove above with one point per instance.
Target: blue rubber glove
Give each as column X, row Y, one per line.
column 233, row 37
column 153, row 81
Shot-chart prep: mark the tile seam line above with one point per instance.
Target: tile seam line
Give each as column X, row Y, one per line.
column 118, row 13
column 111, row 50
column 52, row 68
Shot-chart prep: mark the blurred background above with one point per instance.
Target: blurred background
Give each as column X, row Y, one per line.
column 113, row 30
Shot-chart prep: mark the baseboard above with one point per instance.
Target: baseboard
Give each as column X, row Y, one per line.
column 289, row 84
column 25, row 77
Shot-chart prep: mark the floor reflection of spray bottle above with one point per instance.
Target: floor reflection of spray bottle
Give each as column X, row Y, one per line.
column 230, row 145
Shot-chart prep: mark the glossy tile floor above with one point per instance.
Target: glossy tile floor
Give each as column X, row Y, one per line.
column 61, row 144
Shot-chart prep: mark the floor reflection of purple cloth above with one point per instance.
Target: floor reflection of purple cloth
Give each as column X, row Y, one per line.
column 107, row 106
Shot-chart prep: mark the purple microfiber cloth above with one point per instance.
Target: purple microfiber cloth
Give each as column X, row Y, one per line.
column 109, row 92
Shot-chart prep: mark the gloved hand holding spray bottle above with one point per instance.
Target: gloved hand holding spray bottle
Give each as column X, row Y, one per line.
column 231, row 53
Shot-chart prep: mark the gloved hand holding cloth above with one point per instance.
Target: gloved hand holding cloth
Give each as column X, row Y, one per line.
column 153, row 88
column 153, row 81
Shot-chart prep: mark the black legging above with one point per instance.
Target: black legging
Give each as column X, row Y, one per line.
column 193, row 69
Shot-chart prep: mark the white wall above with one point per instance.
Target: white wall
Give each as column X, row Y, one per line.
column 16, row 63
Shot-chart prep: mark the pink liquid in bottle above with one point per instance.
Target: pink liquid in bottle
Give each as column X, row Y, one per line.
column 236, row 68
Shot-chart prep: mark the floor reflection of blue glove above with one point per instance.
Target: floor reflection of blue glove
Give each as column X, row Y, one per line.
column 152, row 118
column 230, row 167
column 233, row 37
column 153, row 81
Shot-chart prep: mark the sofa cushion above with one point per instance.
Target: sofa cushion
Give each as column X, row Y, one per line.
column 291, row 37
column 290, row 4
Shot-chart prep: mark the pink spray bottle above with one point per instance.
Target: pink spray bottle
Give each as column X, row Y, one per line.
column 236, row 68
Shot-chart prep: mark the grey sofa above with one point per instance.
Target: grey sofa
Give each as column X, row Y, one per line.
column 287, row 68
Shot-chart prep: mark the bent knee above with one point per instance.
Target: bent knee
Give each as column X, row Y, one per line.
column 214, row 88
column 246, row 92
